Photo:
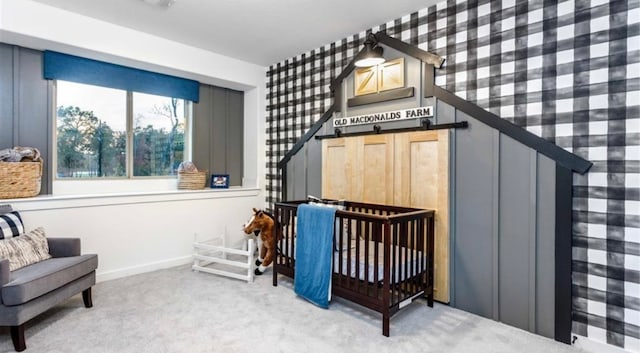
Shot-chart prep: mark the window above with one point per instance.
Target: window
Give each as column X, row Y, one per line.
column 112, row 133
column 91, row 131
column 158, row 134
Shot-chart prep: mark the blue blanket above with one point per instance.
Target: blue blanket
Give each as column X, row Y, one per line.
column 314, row 246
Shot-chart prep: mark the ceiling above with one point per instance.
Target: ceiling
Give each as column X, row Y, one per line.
column 263, row 32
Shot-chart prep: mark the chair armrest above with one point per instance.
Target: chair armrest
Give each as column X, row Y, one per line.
column 64, row 247
column 6, row 208
column 5, row 274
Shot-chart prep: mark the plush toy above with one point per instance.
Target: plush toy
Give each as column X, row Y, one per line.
column 264, row 225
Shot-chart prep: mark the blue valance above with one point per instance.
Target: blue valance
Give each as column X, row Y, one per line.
column 58, row 66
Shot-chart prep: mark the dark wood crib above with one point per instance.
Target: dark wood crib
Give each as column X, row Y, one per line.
column 382, row 259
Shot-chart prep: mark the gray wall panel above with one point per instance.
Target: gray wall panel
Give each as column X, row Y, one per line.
column 532, row 235
column 474, row 230
column 202, row 122
column 327, row 128
column 495, row 221
column 514, row 249
column 444, row 113
column 545, row 247
column 503, row 233
column 32, row 88
column 6, row 96
column 299, row 175
column 33, row 129
column 314, row 168
column 218, row 132
column 290, row 180
column 431, row 101
column 234, row 146
column 25, row 99
column 218, row 124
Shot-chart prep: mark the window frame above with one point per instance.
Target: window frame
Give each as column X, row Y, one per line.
column 129, row 153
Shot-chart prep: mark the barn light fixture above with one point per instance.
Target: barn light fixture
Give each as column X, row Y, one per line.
column 371, row 54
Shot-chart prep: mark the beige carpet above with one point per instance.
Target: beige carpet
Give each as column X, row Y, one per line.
column 177, row 310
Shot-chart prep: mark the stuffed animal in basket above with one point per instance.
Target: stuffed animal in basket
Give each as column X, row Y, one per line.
column 264, row 225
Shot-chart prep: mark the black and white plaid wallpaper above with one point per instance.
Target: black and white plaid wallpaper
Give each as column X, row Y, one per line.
column 567, row 71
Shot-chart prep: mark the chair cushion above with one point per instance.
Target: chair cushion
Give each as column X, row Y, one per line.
column 40, row 278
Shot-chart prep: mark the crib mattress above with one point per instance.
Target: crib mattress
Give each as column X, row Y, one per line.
column 409, row 264
column 358, row 268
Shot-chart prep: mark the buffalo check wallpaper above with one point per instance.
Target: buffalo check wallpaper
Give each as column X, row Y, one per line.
column 567, row 71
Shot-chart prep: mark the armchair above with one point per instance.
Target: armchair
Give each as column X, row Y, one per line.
column 32, row 290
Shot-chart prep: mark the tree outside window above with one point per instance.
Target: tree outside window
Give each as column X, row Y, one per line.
column 92, row 138
column 159, row 128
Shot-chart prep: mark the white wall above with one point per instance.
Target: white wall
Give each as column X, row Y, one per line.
column 38, row 26
column 134, row 233
column 137, row 233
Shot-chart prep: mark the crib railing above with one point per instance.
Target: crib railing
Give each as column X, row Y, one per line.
column 284, row 261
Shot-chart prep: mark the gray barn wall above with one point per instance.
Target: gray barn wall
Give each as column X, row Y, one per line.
column 502, row 225
column 25, row 104
column 503, row 236
column 475, row 219
column 304, row 170
column 545, row 245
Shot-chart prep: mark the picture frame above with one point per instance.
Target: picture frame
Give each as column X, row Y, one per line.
column 219, row 181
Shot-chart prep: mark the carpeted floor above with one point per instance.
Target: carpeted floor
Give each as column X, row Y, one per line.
column 177, row 310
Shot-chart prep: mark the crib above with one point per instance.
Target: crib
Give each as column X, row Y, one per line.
column 382, row 259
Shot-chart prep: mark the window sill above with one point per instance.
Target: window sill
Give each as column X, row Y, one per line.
column 47, row 202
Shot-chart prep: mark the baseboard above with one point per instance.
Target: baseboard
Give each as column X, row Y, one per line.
column 148, row 267
column 591, row 346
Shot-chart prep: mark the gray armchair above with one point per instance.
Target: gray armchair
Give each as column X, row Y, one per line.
column 31, row 290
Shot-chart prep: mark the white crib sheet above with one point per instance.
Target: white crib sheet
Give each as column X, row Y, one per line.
column 371, row 270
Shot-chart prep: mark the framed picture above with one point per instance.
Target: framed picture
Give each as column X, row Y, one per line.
column 219, row 181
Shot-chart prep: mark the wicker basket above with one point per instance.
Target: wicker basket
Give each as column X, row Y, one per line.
column 20, row 179
column 192, row 180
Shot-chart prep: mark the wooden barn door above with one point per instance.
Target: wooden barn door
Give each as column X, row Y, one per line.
column 422, row 180
column 408, row 169
column 366, row 178
column 336, row 169
column 372, row 175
